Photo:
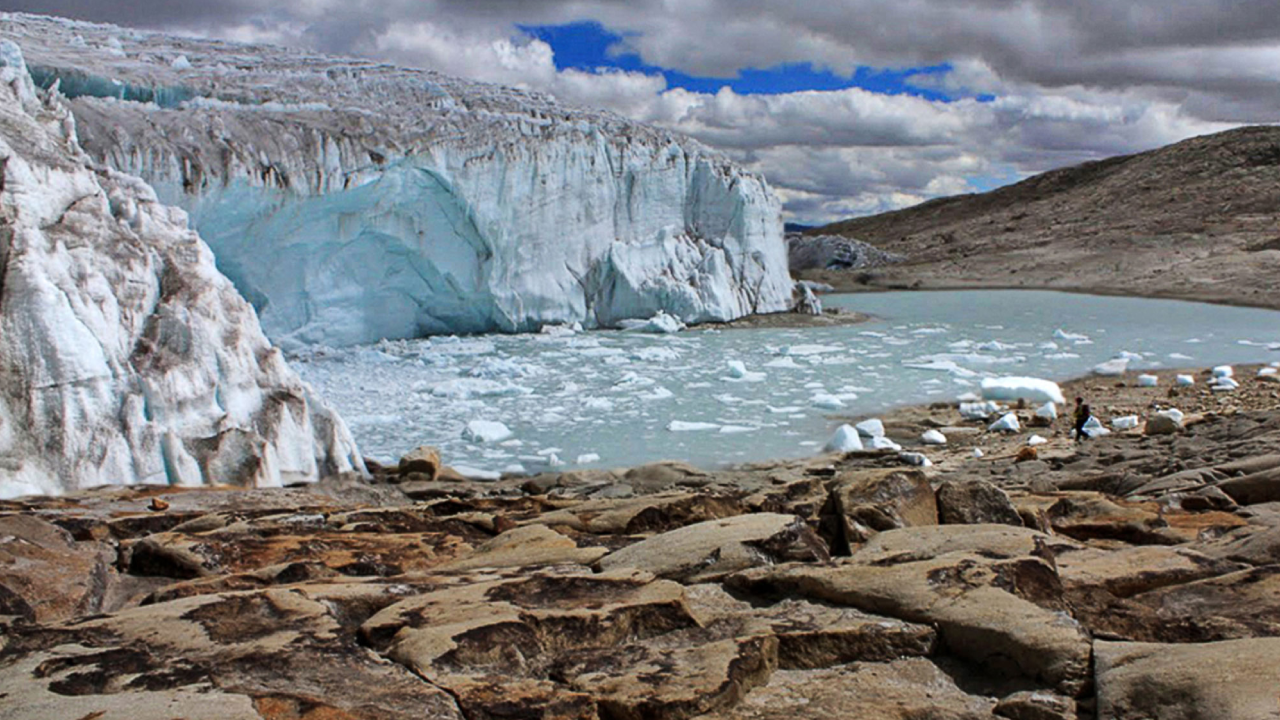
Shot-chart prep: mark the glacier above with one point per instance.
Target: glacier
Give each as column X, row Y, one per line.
column 352, row 201
column 125, row 356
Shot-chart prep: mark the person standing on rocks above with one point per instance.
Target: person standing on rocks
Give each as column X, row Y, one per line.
column 1081, row 417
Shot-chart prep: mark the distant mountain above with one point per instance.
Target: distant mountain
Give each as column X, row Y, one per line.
column 797, row 227
column 1199, row 219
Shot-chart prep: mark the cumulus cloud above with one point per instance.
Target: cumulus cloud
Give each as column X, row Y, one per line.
column 1071, row 81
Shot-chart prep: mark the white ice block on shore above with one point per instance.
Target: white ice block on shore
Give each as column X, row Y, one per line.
column 1022, row 388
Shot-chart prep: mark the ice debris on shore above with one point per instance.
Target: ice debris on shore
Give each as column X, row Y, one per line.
column 1185, row 380
column 871, row 428
column 1126, row 422
column 1022, row 388
column 1047, row 412
column 1146, row 380
column 845, row 439
column 933, row 437
column 1007, row 423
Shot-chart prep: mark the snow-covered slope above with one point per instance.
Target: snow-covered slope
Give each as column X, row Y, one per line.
column 125, row 357
column 351, row 201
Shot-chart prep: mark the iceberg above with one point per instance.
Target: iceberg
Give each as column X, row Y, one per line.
column 1022, row 388
column 1111, row 368
column 129, row 358
column 350, row 200
column 486, row 431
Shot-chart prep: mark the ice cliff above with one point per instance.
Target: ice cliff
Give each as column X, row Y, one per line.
column 125, row 356
column 351, row 201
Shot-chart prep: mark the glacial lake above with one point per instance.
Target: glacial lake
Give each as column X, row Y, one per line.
column 632, row 398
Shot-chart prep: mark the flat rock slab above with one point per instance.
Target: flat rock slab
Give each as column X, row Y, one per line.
column 907, row 689
column 814, row 635
column 530, row 546
column 712, row 549
column 1230, row 680
column 274, row 649
column 975, row 502
column 1006, row 615
column 648, row 514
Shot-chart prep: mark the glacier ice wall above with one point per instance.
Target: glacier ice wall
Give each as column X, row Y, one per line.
column 125, row 356
column 351, row 201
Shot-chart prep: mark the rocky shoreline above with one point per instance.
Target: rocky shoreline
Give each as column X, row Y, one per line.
column 1134, row 575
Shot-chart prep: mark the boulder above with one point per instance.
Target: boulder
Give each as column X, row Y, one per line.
column 714, row 548
column 1255, row 545
column 1162, row 425
column 46, row 575
column 1229, row 680
column 975, row 502
column 869, row 501
column 423, row 459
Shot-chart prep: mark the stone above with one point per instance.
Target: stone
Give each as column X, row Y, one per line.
column 712, row 549
column 649, row 513
column 1161, row 425
column 1036, row 705
column 528, row 546
column 616, row 644
column 974, row 502
column 1254, row 489
column 869, row 501
column 275, row 651
column 1255, row 545
column 423, row 459
column 1005, row 615
column 906, row 689
column 990, row 541
column 1229, row 680
column 1240, row 604
column 1093, row 516
column 46, row 575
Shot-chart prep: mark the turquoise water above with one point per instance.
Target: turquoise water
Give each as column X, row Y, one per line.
column 632, row 398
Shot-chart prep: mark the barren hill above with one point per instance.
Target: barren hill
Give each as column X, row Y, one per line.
column 1199, row 219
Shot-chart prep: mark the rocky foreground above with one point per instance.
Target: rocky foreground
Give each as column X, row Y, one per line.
column 1131, row 576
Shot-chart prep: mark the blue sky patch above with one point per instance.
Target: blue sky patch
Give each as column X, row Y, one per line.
column 589, row 46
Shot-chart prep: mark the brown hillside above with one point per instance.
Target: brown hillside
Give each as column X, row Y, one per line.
column 1199, row 219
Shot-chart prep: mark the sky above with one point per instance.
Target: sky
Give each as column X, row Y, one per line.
column 848, row 107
